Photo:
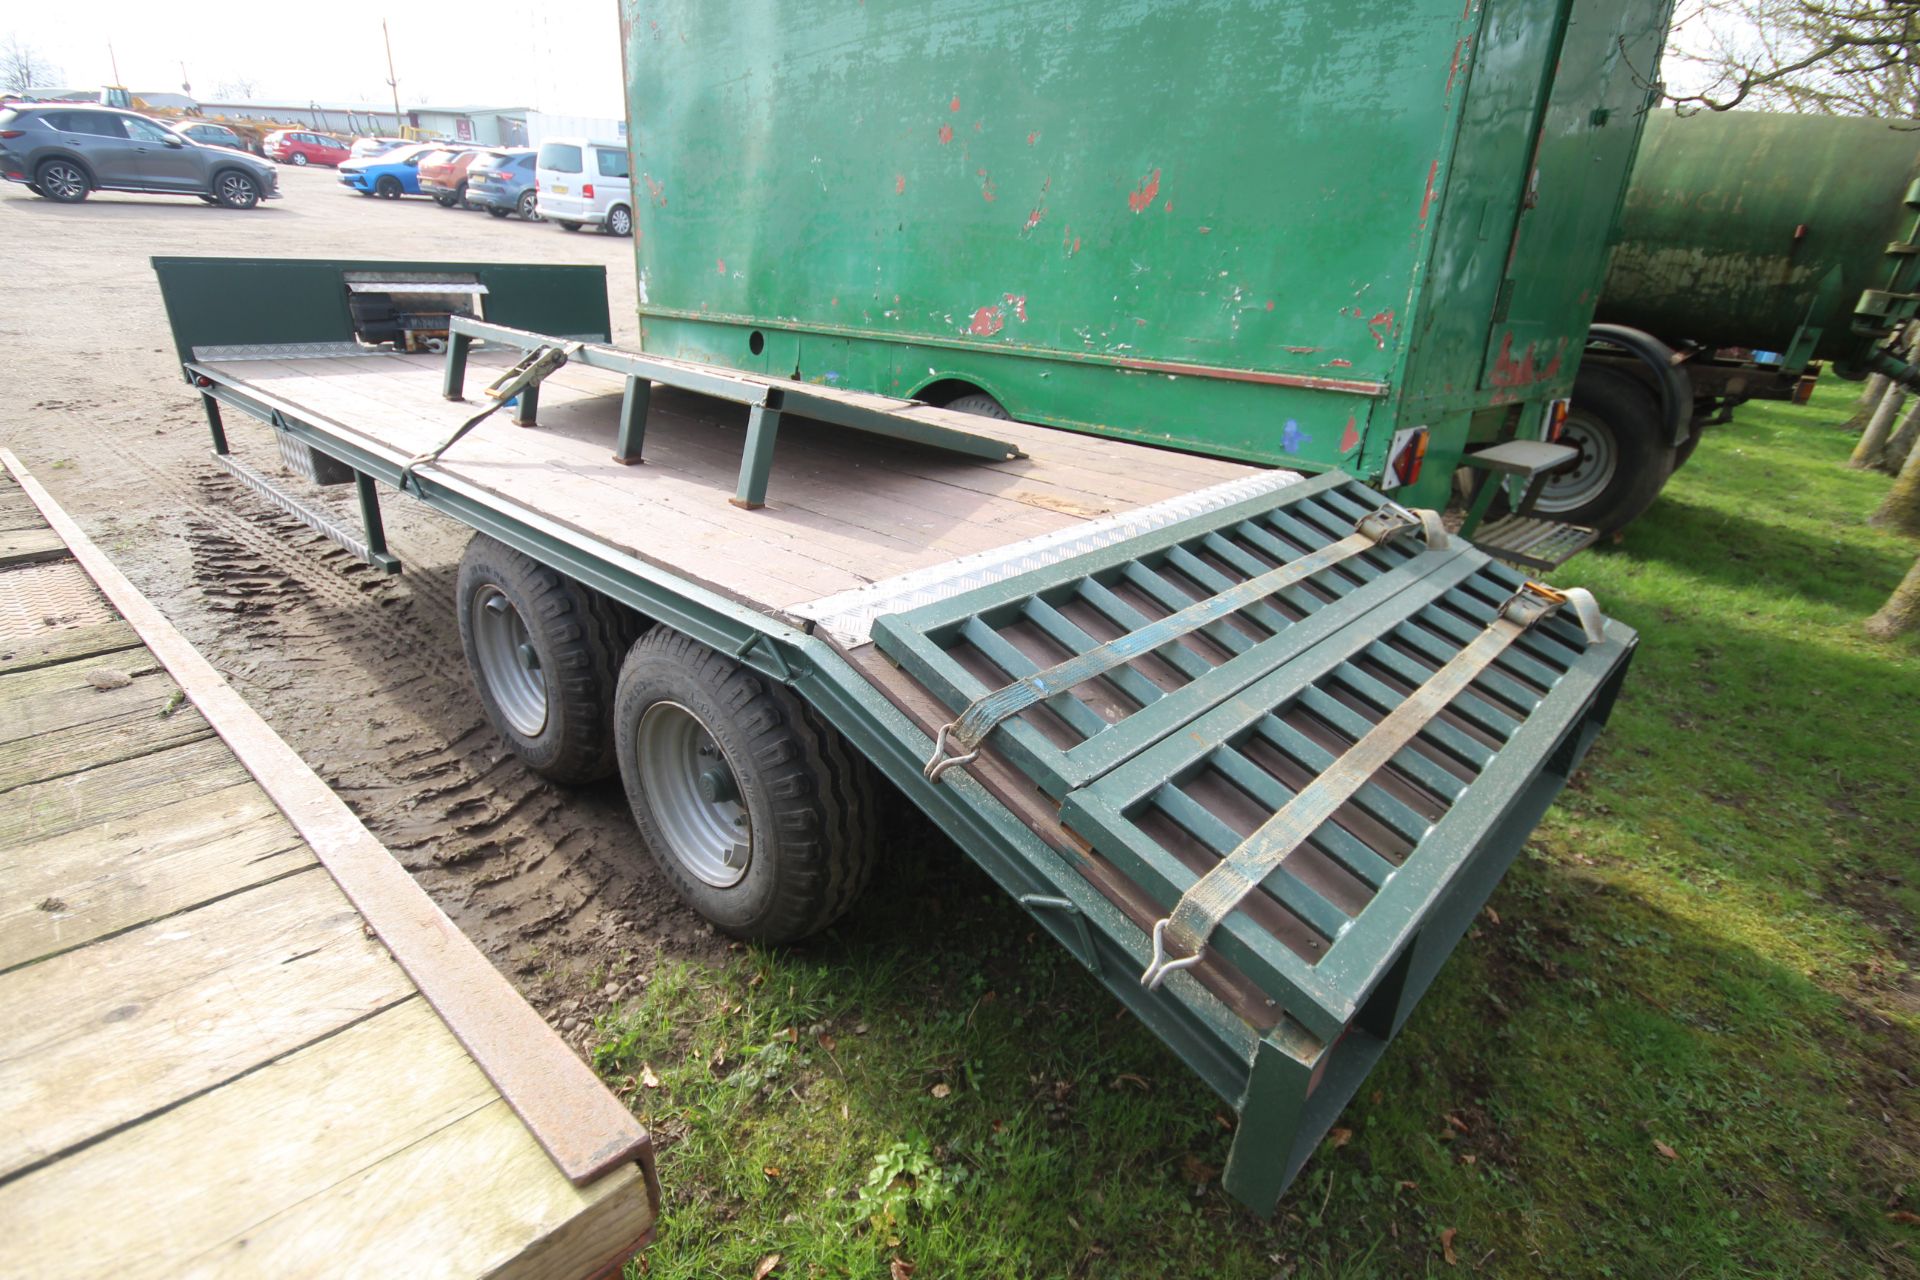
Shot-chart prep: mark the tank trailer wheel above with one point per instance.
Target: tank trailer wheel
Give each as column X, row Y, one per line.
column 544, row 652
column 758, row 813
column 1625, row 457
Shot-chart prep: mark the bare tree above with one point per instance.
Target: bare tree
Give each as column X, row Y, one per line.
column 1901, row 613
column 1831, row 57
column 238, row 89
column 24, row 67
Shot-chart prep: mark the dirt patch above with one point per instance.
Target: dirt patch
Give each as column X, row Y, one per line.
column 359, row 671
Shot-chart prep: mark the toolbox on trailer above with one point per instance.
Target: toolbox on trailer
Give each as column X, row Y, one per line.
column 1254, row 747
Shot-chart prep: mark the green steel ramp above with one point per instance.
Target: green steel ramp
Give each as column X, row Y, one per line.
column 1296, row 739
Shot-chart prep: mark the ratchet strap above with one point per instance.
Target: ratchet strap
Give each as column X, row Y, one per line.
column 1213, row 897
column 531, row 369
column 958, row 742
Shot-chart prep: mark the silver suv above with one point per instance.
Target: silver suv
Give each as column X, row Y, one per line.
column 63, row 152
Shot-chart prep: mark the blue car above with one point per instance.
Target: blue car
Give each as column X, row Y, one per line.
column 503, row 184
column 391, row 174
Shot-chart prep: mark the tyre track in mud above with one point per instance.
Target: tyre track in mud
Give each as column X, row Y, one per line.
column 363, row 674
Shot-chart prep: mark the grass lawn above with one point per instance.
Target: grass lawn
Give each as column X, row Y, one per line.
column 1684, row 1040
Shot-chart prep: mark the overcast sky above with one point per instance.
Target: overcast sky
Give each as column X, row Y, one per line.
column 560, row 57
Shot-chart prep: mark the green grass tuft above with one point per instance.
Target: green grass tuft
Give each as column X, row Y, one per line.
column 1706, row 950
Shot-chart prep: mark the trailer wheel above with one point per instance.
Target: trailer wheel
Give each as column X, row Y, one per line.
column 1625, row 455
column 544, row 653
column 760, row 815
column 980, row 404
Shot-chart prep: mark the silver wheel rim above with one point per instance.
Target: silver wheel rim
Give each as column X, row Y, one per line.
column 693, row 794
column 235, row 189
column 508, row 662
column 527, row 208
column 1586, row 477
column 622, row 222
column 62, row 181
column 298, row 158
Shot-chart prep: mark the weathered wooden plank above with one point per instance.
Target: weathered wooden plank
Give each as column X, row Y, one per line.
column 44, row 809
column 106, row 1035
column 131, row 733
column 66, row 644
column 58, row 697
column 25, row 546
column 65, row 892
column 582, row 1127
column 381, row 1150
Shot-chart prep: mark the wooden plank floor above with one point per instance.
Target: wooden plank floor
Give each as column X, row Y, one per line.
column 844, row 508
column 212, row 1064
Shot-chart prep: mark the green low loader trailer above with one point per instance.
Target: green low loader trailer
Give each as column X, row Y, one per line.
column 1364, row 236
column 1745, row 232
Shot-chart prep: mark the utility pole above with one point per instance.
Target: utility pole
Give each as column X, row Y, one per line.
column 115, row 61
column 393, row 82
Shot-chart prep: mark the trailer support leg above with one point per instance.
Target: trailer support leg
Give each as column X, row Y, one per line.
column 763, row 424
column 376, row 529
column 214, row 423
column 455, row 385
column 633, row 421
column 526, row 413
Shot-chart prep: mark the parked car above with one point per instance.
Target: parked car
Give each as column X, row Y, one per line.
column 209, row 134
column 444, row 176
column 64, row 152
column 367, row 148
column 298, row 147
column 585, row 183
column 501, row 182
column 391, row 174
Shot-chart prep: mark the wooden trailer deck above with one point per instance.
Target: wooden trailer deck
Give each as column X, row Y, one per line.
column 844, row 508
column 240, row 1040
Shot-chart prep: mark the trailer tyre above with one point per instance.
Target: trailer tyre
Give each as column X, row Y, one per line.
column 1625, row 454
column 758, row 813
column 544, row 653
column 980, row 404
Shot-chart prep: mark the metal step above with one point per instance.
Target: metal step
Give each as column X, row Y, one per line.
column 1534, row 542
column 321, row 522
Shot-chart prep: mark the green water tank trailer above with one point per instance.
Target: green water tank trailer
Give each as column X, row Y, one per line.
column 1743, row 232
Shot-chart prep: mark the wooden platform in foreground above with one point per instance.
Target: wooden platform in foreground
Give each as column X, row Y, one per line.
column 216, row 1060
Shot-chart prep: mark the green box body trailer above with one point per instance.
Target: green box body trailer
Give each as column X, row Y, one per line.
column 1253, row 744
column 1283, row 232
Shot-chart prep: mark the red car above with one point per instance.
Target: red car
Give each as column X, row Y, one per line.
column 297, row 147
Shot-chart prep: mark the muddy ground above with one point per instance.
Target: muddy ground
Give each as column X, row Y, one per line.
column 360, row 672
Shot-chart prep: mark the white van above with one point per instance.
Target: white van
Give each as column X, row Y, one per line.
column 585, row 183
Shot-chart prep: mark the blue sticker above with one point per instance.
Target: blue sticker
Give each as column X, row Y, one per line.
column 1293, row 438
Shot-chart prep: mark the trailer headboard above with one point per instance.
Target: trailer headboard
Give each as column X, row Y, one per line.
column 228, row 304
